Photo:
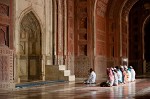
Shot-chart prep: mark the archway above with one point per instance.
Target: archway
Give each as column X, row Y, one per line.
column 30, row 48
column 138, row 41
column 147, row 45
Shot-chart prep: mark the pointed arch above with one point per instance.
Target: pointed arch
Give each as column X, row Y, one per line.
column 143, row 32
column 26, row 11
column 30, row 50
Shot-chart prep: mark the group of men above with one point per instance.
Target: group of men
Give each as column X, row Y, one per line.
column 120, row 75
column 117, row 75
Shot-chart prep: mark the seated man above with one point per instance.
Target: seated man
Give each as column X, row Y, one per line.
column 120, row 76
column 110, row 76
column 92, row 77
column 132, row 73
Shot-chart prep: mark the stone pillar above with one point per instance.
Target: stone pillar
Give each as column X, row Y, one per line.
column 60, row 32
column 55, row 31
column 49, row 30
column 65, row 31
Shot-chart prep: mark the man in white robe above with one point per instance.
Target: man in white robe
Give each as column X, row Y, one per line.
column 132, row 73
column 92, row 77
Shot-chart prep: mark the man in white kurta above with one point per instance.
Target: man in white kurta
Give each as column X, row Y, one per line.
column 92, row 78
column 132, row 73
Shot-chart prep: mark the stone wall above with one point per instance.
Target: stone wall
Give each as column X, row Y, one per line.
column 42, row 10
column 6, row 68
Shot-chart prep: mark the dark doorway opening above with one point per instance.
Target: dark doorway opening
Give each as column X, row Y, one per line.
column 147, row 41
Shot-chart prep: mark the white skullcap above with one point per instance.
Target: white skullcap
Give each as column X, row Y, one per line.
column 121, row 67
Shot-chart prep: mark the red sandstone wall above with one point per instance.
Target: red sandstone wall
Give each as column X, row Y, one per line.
column 100, row 35
column 83, row 37
column 124, row 38
column 6, row 22
column 101, row 52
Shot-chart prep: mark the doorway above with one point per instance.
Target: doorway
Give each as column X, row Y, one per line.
column 147, row 45
column 30, row 49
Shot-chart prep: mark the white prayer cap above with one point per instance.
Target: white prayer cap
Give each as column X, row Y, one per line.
column 112, row 68
column 121, row 66
column 125, row 67
column 130, row 66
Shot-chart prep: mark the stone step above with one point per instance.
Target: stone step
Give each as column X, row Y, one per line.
column 58, row 72
column 64, row 72
column 67, row 78
column 71, row 78
column 62, row 67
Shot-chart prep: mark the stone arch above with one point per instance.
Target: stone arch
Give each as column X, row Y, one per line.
column 127, row 7
column 143, row 26
column 122, row 13
column 30, row 51
column 136, row 21
column 114, row 10
column 146, row 63
column 117, row 11
column 26, row 11
column 20, row 17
